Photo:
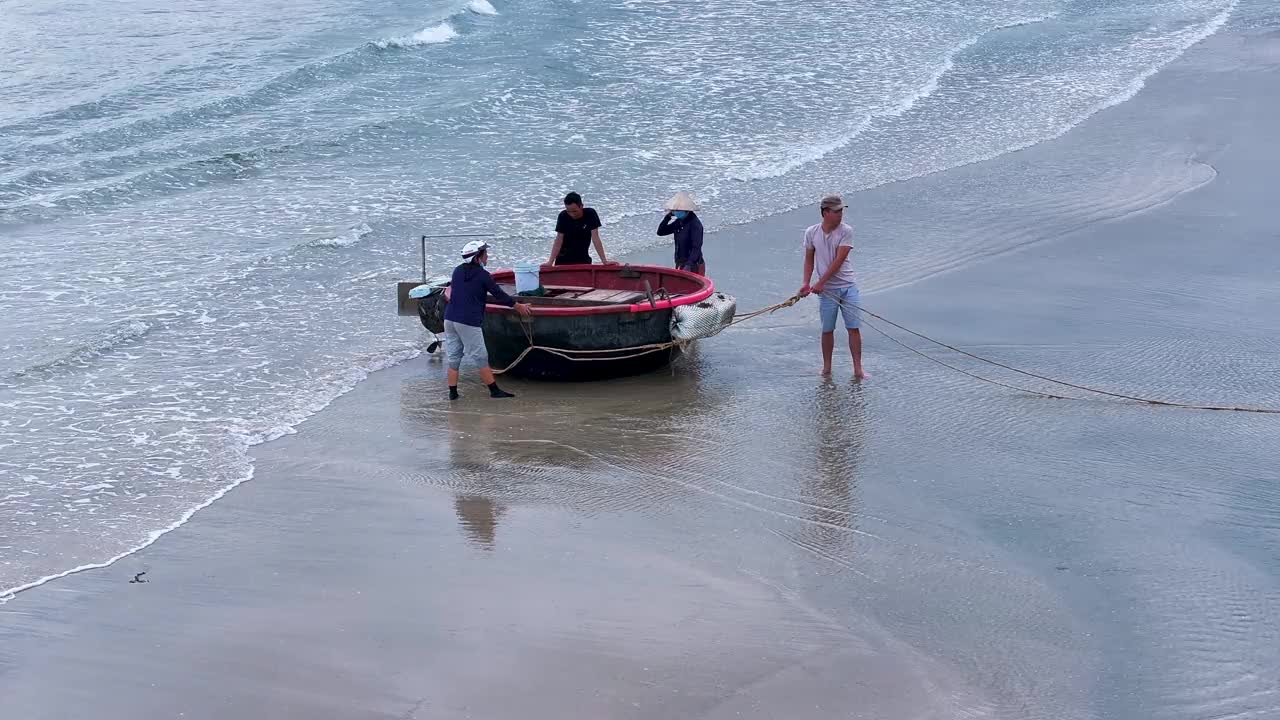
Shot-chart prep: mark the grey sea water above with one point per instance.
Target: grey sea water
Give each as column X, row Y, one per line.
column 203, row 210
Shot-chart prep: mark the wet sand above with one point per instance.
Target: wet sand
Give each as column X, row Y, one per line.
column 737, row 538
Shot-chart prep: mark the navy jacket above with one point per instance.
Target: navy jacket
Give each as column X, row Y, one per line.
column 688, row 234
column 467, row 290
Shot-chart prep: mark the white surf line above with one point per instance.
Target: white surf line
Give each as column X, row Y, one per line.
column 901, row 107
column 1210, row 28
column 394, row 358
column 9, row 594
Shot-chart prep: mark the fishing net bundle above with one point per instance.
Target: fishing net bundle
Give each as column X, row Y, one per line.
column 703, row 319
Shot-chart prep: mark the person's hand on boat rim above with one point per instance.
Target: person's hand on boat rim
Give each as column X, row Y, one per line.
column 524, row 309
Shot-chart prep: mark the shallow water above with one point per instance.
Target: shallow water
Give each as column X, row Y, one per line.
column 738, row 538
column 203, row 218
column 743, row 531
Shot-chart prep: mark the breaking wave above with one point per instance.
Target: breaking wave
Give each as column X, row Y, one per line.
column 434, row 35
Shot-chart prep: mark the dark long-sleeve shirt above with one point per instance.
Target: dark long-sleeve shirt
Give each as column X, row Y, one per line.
column 688, row 238
column 467, row 291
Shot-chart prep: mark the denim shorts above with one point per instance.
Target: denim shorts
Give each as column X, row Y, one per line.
column 464, row 341
column 839, row 300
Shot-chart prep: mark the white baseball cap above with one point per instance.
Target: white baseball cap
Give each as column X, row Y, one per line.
column 474, row 247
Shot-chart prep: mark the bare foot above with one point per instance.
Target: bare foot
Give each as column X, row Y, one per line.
column 859, row 375
column 826, row 372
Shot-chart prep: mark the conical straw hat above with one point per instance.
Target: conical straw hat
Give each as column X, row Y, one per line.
column 681, row 201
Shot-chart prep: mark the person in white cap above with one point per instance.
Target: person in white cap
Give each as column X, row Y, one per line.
column 826, row 248
column 464, row 314
column 681, row 221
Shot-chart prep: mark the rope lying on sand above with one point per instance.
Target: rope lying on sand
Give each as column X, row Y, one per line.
column 639, row 350
column 1085, row 388
column 568, row 354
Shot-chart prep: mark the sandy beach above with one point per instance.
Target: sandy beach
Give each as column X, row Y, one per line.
column 738, row 538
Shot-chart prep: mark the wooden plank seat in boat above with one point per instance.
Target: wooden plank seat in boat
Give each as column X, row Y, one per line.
column 611, row 297
column 574, row 296
column 566, row 289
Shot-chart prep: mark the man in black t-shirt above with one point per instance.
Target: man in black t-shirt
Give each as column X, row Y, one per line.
column 577, row 229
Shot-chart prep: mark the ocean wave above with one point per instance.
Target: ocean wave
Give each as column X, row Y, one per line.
column 1181, row 42
column 118, row 335
column 123, row 125
column 434, row 35
column 125, row 112
column 42, row 192
column 1030, row 21
column 949, row 63
column 161, row 138
column 1185, row 40
column 798, row 159
column 813, row 153
column 350, row 237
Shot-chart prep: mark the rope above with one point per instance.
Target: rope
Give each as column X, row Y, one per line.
column 975, row 376
column 578, row 356
column 1085, row 388
column 569, row 354
column 765, row 310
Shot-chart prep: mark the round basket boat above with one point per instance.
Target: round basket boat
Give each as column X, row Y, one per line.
column 608, row 317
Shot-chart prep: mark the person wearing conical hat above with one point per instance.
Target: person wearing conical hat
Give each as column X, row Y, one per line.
column 682, row 222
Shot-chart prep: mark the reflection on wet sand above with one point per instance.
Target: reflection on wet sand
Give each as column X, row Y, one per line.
column 652, row 443
column 471, row 449
column 835, row 441
column 593, row 448
column 704, row 532
column 839, row 421
column 478, row 516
